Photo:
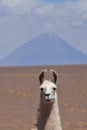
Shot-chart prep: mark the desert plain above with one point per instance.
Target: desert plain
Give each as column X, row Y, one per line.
column 20, row 95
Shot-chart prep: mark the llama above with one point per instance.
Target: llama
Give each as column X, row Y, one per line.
column 49, row 117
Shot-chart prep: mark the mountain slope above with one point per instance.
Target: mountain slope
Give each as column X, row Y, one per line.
column 46, row 49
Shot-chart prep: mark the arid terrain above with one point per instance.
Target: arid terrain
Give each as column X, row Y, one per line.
column 19, row 97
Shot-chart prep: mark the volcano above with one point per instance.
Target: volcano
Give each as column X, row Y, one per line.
column 46, row 49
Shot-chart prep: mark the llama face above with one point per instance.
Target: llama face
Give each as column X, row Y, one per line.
column 48, row 91
column 48, row 87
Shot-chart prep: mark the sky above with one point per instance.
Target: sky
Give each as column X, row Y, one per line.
column 22, row 20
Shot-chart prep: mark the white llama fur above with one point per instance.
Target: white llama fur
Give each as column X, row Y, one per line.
column 49, row 117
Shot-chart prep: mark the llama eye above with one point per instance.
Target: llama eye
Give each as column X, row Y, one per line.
column 54, row 88
column 41, row 89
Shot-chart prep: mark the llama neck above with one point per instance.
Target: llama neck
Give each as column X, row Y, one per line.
column 49, row 116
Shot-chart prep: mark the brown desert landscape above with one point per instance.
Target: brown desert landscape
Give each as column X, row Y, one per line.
column 19, row 97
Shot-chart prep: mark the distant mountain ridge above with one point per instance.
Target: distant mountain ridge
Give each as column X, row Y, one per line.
column 46, row 49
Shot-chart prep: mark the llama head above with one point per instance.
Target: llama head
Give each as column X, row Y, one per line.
column 48, row 87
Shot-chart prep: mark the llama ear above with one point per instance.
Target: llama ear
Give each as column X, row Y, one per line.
column 54, row 76
column 41, row 76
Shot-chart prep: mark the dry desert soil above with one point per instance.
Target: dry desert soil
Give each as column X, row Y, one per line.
column 19, row 97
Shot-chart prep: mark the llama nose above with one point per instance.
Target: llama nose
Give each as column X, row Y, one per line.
column 47, row 94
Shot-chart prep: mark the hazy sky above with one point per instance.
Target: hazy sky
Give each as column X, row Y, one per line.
column 21, row 20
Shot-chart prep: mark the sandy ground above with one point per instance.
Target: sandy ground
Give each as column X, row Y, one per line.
column 19, row 97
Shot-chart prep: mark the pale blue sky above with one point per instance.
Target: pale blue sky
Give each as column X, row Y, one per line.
column 60, row 1
column 21, row 20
